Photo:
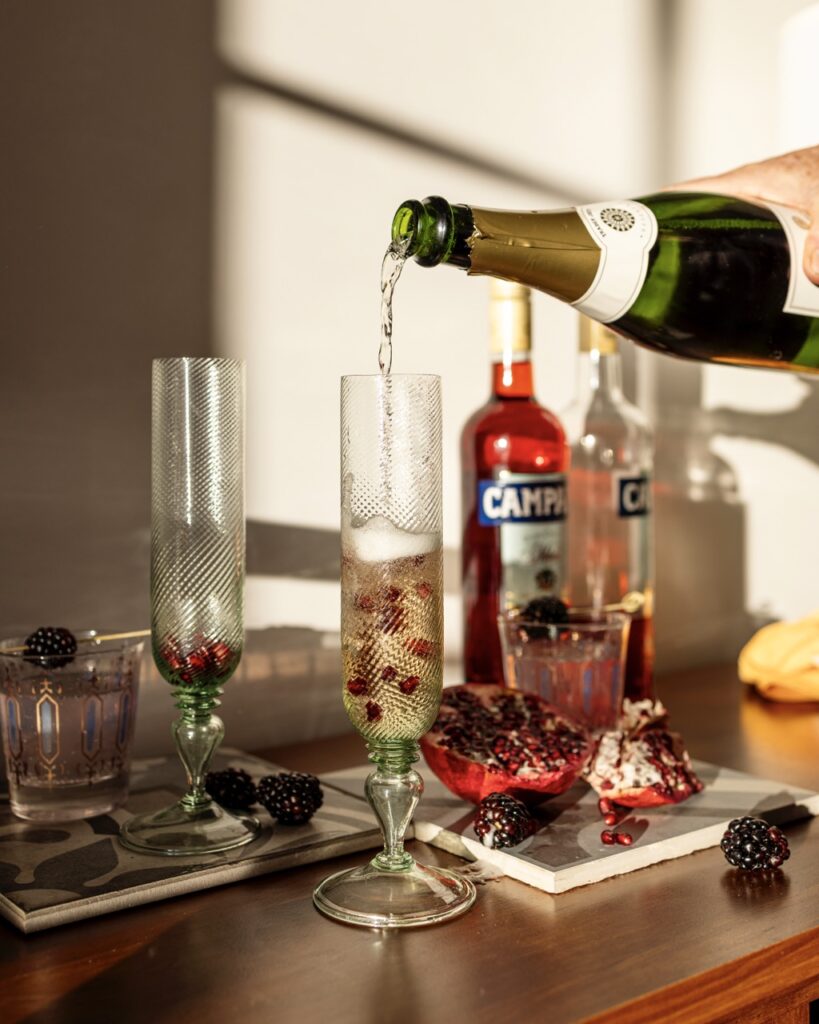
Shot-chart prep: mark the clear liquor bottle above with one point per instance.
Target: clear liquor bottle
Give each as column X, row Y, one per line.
column 611, row 553
column 514, row 460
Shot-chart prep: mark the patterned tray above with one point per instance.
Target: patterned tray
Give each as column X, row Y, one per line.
column 52, row 874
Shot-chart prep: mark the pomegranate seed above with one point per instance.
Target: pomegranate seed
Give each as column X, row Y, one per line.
column 409, row 685
column 364, row 602
column 391, row 594
column 607, row 837
column 623, row 838
column 388, row 673
column 171, row 658
column 423, row 590
column 604, row 805
column 358, row 686
column 610, row 818
column 197, row 662
column 221, row 656
column 374, row 711
column 418, row 646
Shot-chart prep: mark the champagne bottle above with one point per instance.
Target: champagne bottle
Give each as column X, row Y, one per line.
column 696, row 275
column 610, row 528
column 513, row 463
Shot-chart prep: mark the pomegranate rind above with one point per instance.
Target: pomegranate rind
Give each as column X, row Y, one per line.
column 642, row 763
column 475, row 775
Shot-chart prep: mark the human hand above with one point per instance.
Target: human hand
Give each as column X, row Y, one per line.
column 791, row 179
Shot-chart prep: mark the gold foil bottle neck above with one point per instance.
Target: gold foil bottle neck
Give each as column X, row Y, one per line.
column 550, row 250
column 510, row 318
column 597, row 337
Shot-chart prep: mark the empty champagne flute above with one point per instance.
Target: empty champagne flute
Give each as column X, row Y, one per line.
column 197, row 585
column 392, row 635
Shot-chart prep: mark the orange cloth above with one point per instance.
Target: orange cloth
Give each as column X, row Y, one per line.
column 782, row 660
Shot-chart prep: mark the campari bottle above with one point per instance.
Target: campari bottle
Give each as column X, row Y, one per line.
column 611, row 555
column 692, row 274
column 514, row 461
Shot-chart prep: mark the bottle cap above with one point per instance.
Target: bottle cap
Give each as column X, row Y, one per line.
column 597, row 337
column 510, row 319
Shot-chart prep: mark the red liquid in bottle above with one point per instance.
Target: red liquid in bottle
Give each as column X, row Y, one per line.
column 508, row 438
column 639, row 680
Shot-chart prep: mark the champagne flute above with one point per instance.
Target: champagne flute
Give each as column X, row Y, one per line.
column 197, row 585
column 392, row 635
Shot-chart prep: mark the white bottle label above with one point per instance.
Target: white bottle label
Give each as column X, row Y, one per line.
column 803, row 294
column 625, row 232
column 529, row 509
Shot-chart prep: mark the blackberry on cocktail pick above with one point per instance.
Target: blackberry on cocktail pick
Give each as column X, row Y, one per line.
column 753, row 845
column 232, row 787
column 291, row 797
column 50, row 646
column 502, row 821
column 546, row 610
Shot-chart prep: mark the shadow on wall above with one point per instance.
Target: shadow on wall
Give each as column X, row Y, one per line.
column 701, row 613
column 107, row 185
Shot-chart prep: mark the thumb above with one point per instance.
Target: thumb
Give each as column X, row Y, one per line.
column 811, row 254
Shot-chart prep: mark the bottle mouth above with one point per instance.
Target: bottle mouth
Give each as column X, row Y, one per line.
column 405, row 224
column 432, row 231
column 425, row 230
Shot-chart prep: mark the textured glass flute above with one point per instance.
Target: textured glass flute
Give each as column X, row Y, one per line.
column 197, row 585
column 392, row 635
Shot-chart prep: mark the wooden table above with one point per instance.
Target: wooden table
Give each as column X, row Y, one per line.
column 680, row 943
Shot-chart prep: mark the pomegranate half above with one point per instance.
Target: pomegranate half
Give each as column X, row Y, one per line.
column 642, row 763
column 488, row 739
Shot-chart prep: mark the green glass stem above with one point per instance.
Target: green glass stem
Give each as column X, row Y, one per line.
column 393, row 790
column 197, row 733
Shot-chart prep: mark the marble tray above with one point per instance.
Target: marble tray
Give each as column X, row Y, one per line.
column 567, row 852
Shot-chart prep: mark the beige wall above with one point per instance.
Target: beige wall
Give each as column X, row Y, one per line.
column 179, row 178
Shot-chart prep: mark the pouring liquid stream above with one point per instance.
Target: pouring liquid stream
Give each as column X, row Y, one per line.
column 393, row 263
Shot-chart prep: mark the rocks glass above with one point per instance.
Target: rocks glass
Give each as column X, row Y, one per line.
column 577, row 665
column 392, row 635
column 197, row 585
column 67, row 725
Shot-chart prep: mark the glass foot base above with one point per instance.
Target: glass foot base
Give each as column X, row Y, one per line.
column 178, row 832
column 374, row 898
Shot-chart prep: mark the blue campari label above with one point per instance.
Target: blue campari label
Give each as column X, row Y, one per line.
column 633, row 493
column 530, row 500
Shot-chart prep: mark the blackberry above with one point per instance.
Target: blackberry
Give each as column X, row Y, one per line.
column 753, row 845
column 502, row 821
column 50, row 646
column 231, row 788
column 546, row 610
column 291, row 797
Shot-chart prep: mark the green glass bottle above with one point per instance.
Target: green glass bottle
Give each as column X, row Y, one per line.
column 692, row 274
